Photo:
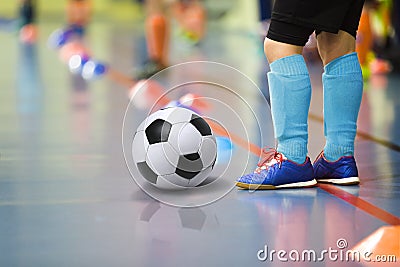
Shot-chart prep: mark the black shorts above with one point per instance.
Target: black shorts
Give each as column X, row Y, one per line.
column 293, row 21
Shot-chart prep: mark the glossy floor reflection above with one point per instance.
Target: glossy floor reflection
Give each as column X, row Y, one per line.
column 67, row 197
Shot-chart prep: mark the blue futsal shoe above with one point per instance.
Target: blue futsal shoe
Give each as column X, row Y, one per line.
column 341, row 172
column 275, row 171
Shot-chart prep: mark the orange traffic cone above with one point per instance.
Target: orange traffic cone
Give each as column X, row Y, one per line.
column 381, row 248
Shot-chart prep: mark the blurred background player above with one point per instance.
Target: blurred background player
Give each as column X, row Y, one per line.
column 374, row 37
column 157, row 38
column 27, row 12
column 191, row 17
column 27, row 20
column 79, row 13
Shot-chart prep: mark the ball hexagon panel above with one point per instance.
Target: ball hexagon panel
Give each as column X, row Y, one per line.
column 185, row 138
column 158, row 131
column 172, row 115
column 161, row 114
column 208, row 150
column 178, row 114
column 199, row 178
column 139, row 147
column 190, row 163
column 147, row 172
column 186, row 174
column 201, row 125
column 162, row 158
column 173, row 137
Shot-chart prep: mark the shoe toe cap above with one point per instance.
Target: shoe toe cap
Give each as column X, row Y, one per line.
column 252, row 178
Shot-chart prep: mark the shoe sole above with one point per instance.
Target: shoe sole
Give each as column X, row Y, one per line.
column 311, row 183
column 340, row 181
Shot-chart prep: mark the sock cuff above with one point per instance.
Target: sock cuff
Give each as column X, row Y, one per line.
column 343, row 65
column 293, row 150
column 333, row 152
column 290, row 65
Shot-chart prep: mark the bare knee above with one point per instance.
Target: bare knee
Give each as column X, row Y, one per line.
column 331, row 46
column 275, row 50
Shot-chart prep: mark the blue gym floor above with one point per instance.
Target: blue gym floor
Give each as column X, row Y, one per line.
column 67, row 197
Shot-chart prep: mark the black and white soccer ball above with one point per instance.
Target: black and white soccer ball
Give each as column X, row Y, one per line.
column 174, row 148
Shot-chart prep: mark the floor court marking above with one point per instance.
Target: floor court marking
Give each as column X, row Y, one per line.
column 219, row 130
column 361, row 204
column 331, row 189
column 354, row 200
column 364, row 135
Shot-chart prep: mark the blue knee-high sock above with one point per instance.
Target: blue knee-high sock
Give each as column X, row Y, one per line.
column 290, row 92
column 343, row 86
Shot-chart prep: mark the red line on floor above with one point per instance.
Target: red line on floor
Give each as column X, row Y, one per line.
column 361, row 204
column 331, row 189
column 363, row 135
column 219, row 130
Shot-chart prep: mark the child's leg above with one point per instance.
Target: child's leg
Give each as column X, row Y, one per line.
column 290, row 92
column 343, row 83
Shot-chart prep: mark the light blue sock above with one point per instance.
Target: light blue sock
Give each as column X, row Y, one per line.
column 343, row 87
column 290, row 92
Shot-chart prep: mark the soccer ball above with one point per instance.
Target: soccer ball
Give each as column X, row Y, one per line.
column 174, row 148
